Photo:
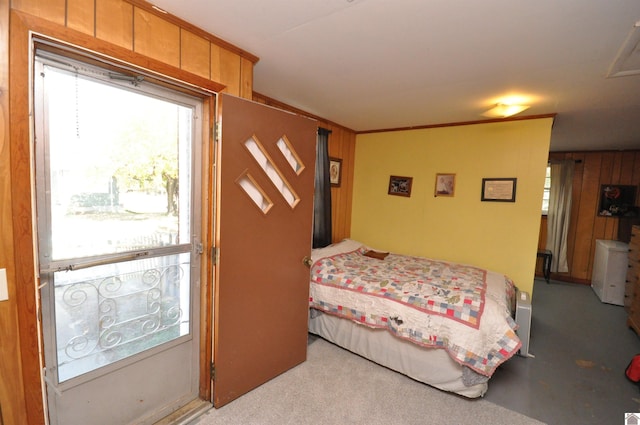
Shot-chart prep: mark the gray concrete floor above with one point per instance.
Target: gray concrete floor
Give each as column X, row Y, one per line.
column 581, row 348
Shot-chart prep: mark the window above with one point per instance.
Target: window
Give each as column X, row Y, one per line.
column 545, row 194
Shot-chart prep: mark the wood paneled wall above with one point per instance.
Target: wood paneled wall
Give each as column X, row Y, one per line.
column 130, row 31
column 592, row 170
column 135, row 25
column 342, row 143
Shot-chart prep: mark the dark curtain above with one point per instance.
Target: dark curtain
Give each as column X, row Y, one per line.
column 322, row 194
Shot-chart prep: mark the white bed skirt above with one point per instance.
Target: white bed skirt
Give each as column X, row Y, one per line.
column 430, row 366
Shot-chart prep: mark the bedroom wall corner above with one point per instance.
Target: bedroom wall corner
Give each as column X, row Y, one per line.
column 499, row 236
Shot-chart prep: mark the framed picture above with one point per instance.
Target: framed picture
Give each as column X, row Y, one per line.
column 499, row 189
column 400, row 186
column 445, row 184
column 617, row 200
column 335, row 171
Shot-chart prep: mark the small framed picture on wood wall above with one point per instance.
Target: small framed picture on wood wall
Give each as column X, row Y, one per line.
column 335, row 171
column 617, row 200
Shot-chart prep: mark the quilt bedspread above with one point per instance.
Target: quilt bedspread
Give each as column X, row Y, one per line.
column 436, row 287
column 432, row 303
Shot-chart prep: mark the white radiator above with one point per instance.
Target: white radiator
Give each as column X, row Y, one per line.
column 523, row 320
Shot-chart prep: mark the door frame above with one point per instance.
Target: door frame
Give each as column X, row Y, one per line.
column 23, row 29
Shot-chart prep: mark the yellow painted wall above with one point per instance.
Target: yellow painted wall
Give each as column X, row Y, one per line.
column 499, row 236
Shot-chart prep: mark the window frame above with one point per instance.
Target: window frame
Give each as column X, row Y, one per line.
column 546, row 191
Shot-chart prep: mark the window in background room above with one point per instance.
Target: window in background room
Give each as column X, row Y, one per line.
column 547, row 188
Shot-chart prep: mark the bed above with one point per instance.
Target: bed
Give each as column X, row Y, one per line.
column 446, row 324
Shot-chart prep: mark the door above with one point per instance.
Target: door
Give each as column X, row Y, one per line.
column 264, row 229
column 118, row 243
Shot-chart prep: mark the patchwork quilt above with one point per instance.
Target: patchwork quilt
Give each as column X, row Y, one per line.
column 462, row 309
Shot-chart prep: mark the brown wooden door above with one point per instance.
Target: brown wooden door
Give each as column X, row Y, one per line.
column 264, row 229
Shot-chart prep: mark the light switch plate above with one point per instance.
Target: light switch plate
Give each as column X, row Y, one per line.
column 4, row 291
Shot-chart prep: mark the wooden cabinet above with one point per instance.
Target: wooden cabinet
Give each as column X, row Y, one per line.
column 632, row 284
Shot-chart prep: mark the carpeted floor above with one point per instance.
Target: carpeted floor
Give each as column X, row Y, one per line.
column 335, row 386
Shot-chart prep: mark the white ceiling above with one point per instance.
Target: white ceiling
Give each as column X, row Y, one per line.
column 380, row 64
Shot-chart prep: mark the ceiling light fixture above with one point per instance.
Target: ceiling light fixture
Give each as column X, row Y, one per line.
column 503, row 110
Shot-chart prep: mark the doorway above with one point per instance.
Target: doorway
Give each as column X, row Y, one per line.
column 119, row 242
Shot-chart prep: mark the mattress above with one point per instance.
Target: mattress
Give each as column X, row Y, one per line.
column 430, row 366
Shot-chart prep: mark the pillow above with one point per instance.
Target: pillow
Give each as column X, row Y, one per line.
column 346, row 245
column 376, row 254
